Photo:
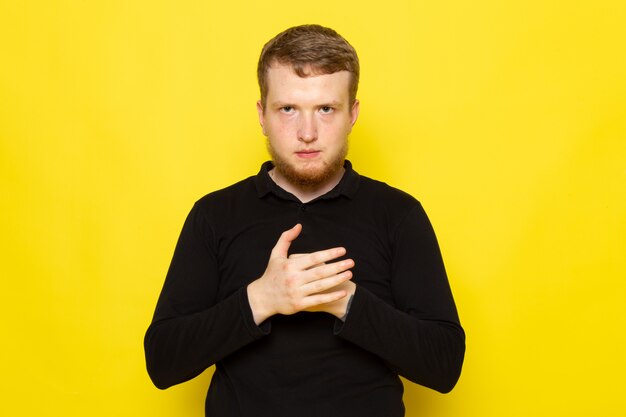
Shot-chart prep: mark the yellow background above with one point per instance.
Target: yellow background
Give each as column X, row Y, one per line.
column 507, row 119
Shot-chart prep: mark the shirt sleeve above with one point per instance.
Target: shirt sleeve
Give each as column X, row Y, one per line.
column 420, row 337
column 191, row 329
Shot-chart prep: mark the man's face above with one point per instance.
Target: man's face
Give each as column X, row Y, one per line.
column 307, row 122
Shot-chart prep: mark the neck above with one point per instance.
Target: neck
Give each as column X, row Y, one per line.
column 306, row 193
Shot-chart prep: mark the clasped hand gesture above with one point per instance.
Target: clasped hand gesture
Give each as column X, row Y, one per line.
column 303, row 282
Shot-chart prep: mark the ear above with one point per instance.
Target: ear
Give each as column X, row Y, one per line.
column 259, row 109
column 354, row 113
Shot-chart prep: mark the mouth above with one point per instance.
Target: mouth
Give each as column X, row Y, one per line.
column 307, row 154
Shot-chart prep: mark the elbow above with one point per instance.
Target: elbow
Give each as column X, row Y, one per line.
column 158, row 377
column 447, row 384
column 439, row 366
column 156, row 364
column 446, row 379
column 169, row 360
column 451, row 366
column 160, row 383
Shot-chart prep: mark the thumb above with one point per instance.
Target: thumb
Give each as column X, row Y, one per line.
column 281, row 248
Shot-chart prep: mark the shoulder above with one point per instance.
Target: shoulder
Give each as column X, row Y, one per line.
column 387, row 205
column 236, row 190
column 383, row 193
column 220, row 207
column 228, row 198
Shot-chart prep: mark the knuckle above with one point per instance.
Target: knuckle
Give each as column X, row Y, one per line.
column 337, row 271
column 318, row 273
column 317, row 257
column 328, row 299
column 318, row 286
column 333, row 296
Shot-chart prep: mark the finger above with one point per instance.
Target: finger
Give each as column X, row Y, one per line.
column 326, row 270
column 324, row 284
column 284, row 241
column 325, row 298
column 298, row 255
column 311, row 260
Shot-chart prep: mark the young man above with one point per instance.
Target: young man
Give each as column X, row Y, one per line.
column 309, row 286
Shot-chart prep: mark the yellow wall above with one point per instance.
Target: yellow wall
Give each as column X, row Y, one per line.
column 507, row 119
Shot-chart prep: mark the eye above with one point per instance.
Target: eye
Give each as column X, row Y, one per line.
column 286, row 109
column 326, row 109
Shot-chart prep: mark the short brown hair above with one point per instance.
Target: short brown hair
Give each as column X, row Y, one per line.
column 309, row 48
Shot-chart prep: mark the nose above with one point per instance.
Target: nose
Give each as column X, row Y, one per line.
column 307, row 129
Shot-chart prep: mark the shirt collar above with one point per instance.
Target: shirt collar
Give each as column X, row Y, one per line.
column 347, row 186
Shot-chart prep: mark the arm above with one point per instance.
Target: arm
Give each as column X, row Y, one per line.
column 191, row 330
column 420, row 337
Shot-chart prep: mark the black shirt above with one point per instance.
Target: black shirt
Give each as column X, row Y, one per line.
column 402, row 320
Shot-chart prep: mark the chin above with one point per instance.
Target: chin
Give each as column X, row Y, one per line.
column 309, row 176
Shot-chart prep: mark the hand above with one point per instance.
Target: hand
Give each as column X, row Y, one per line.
column 290, row 285
column 337, row 308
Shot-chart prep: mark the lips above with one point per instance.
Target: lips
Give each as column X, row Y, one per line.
column 307, row 153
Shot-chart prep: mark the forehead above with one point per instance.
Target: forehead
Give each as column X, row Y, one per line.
column 285, row 85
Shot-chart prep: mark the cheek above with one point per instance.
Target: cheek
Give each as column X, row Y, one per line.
column 337, row 130
column 280, row 133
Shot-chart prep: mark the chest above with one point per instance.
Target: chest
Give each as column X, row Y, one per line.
column 243, row 247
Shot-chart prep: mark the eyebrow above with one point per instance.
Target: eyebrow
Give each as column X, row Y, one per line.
column 332, row 103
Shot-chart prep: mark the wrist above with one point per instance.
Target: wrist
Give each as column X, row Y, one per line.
column 260, row 312
column 347, row 310
column 344, row 303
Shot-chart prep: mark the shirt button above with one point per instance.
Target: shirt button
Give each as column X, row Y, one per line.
column 303, row 208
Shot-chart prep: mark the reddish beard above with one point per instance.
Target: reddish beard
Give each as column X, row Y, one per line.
column 308, row 177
